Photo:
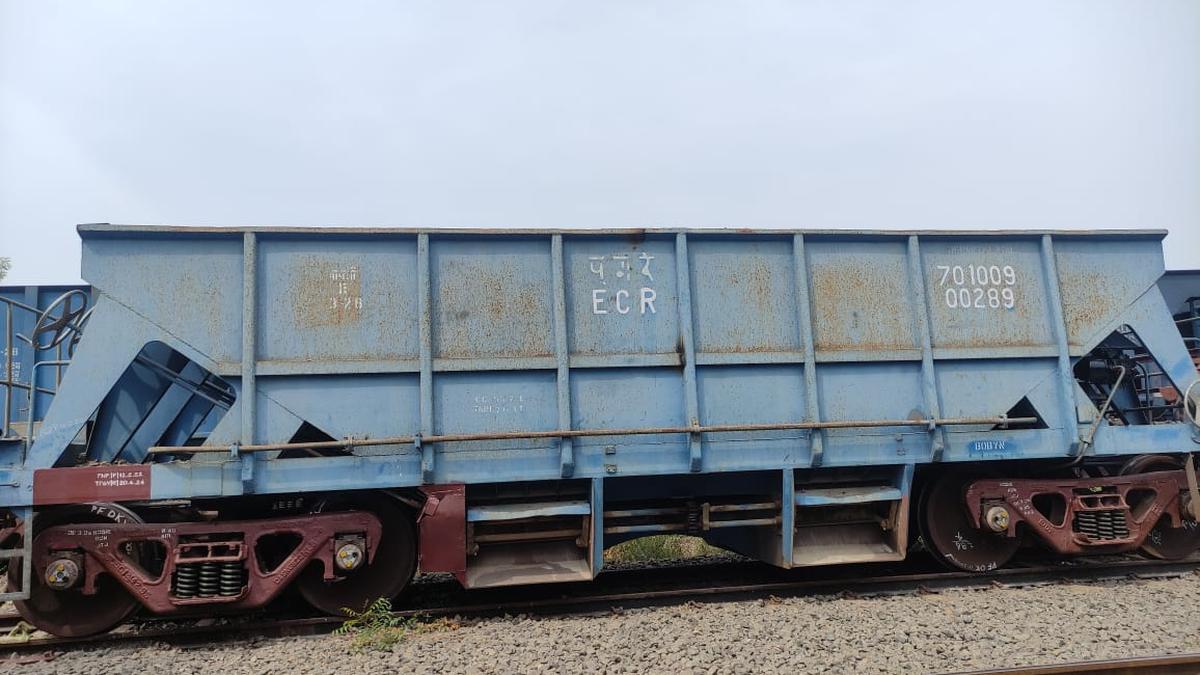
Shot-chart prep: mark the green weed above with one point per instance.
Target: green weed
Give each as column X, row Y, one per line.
column 375, row 627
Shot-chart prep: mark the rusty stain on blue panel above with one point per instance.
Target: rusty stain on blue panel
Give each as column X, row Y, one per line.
column 858, row 295
column 1092, row 294
column 743, row 296
column 491, row 297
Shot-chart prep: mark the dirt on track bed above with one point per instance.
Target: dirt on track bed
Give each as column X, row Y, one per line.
column 943, row 632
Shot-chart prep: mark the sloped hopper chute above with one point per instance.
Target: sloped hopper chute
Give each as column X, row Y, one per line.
column 162, row 398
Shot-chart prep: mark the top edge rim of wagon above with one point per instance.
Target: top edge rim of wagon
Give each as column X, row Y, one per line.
column 86, row 229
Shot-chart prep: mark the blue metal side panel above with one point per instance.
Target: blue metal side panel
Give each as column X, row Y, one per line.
column 852, row 392
column 627, row 398
column 343, row 406
column 1094, row 293
column 753, row 394
column 188, row 286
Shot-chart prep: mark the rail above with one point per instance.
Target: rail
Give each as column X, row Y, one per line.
column 1173, row 664
column 644, row 586
column 417, row 439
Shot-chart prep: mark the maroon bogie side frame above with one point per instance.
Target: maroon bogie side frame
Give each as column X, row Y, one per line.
column 102, row 548
column 1112, row 514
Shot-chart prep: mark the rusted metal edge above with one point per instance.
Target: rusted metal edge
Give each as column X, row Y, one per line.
column 103, row 228
column 577, row 433
column 1162, row 665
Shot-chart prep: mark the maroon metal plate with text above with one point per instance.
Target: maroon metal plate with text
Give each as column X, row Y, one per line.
column 71, row 485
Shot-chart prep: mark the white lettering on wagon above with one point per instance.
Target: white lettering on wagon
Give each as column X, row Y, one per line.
column 109, row 479
column 328, row 293
column 626, row 284
column 15, row 353
column 100, row 536
column 345, row 291
column 977, row 286
column 498, row 404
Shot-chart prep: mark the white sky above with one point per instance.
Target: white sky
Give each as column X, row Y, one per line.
column 769, row 114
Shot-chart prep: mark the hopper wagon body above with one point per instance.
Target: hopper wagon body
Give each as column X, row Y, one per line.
column 253, row 408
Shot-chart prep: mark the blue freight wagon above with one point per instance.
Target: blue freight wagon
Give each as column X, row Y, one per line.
column 27, row 342
column 251, row 409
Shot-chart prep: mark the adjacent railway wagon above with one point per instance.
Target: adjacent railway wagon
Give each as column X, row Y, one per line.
column 22, row 308
column 332, row 409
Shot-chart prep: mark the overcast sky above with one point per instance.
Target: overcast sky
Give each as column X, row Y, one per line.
column 566, row 114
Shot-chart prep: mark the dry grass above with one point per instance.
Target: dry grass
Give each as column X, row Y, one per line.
column 662, row 547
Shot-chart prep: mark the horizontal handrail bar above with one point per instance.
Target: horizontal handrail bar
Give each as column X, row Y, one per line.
column 578, row 433
column 20, row 305
column 24, row 387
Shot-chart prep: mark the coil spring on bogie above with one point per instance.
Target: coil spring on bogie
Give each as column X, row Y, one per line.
column 210, row 579
column 232, row 578
column 1102, row 525
column 186, row 577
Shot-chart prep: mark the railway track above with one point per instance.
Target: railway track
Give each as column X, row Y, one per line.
column 620, row 589
column 1174, row 664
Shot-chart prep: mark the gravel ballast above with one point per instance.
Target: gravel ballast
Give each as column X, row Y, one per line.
column 943, row 632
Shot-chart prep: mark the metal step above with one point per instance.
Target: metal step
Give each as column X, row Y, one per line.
column 493, row 512
column 847, row 495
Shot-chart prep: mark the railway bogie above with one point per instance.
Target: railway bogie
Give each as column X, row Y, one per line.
column 333, row 410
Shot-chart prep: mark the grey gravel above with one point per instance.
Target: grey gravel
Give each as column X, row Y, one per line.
column 943, row 632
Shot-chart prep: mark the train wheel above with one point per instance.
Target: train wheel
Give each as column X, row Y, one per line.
column 385, row 576
column 1163, row 541
column 948, row 533
column 68, row 612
